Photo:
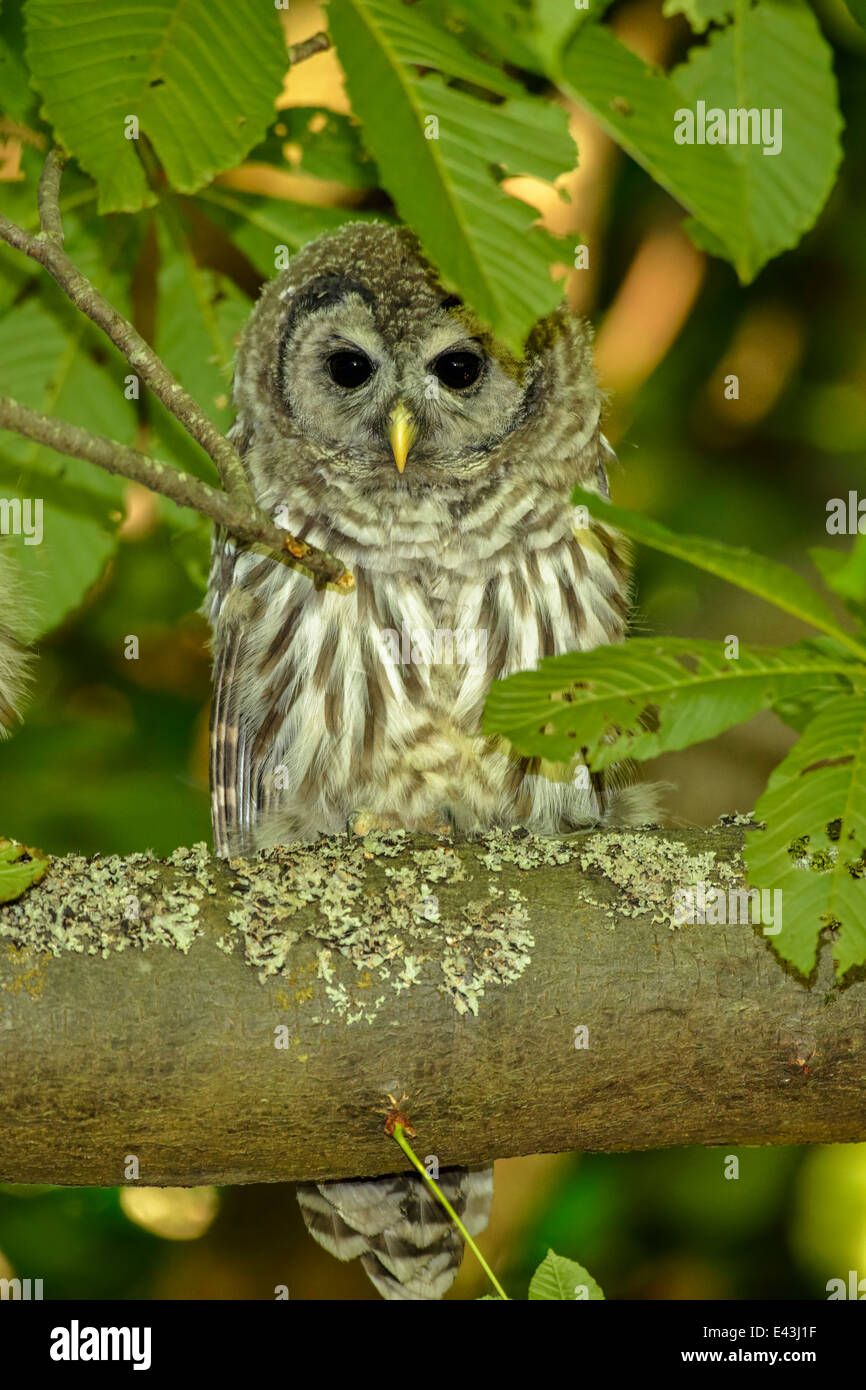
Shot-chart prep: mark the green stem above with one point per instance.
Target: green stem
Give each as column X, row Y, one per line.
column 416, row 1163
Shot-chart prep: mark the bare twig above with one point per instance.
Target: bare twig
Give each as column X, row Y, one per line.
column 242, row 520
column 299, row 52
column 47, row 249
column 235, row 507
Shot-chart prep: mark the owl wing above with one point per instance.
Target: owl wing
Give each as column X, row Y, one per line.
column 230, row 735
column 227, row 740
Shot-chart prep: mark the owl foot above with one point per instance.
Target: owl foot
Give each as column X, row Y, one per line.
column 365, row 822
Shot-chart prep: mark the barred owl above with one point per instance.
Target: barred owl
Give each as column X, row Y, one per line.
column 378, row 419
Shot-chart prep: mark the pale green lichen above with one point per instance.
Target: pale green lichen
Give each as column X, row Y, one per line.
column 382, row 916
column 647, row 870
column 111, row 904
column 402, row 933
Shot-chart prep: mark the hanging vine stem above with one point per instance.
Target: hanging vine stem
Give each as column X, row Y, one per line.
column 397, row 1126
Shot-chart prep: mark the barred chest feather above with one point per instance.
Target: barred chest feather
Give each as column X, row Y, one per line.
column 327, row 706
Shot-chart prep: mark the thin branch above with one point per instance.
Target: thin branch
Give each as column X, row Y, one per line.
column 241, row 519
column 299, row 52
column 47, row 249
column 235, row 508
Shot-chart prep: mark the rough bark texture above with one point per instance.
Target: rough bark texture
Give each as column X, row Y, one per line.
column 314, row 982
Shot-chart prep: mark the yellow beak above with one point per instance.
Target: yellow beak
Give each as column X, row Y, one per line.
column 401, row 434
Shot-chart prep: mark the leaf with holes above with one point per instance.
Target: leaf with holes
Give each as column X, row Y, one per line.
column 323, row 144
column 199, row 76
column 814, row 844
column 649, row 695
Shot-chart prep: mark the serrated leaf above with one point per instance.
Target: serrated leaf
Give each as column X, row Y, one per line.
column 558, row 1278
column 820, row 782
column 701, row 13
column 17, row 874
column 767, row 579
column 754, row 206
column 644, row 697
column 201, row 76
column 446, row 188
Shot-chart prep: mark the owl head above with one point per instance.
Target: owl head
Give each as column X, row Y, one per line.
column 359, row 366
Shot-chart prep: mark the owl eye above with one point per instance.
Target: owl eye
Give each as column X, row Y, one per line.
column 457, row 370
column 349, row 368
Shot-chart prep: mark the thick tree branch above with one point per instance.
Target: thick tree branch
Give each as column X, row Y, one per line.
column 206, row 1068
column 46, row 247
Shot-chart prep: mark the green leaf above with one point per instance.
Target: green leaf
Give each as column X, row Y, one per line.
column 201, row 77
column 821, row 784
column 648, row 696
column 499, row 28
column 799, row 710
column 17, row 874
column 329, row 145
column 767, row 579
column 701, row 13
column 46, row 362
column 752, row 206
column 559, row 1278
column 446, row 188
column 260, row 226
column 857, row 9
column 17, row 100
column 200, row 314
column 555, row 22
column 844, row 571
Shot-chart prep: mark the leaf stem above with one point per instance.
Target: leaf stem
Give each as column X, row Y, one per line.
column 440, row 1196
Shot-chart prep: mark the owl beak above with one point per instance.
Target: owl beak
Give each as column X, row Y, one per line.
column 401, row 433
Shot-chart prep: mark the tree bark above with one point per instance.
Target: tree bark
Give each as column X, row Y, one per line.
column 243, row 1021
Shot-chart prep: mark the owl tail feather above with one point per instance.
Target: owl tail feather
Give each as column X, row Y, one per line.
column 407, row 1244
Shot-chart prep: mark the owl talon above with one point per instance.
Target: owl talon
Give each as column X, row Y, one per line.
column 366, row 822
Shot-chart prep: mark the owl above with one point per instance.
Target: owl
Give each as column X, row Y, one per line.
column 379, row 419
